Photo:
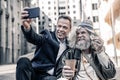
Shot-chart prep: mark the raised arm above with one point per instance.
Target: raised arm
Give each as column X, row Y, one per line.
column 30, row 35
column 106, row 65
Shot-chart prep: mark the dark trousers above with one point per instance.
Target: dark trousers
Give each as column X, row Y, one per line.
column 24, row 71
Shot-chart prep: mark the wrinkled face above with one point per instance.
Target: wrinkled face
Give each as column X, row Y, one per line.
column 63, row 28
column 82, row 39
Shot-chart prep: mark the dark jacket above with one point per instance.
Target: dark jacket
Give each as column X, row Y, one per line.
column 47, row 47
column 76, row 54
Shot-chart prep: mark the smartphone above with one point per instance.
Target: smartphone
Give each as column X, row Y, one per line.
column 33, row 12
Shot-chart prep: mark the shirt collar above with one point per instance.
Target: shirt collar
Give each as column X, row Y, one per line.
column 61, row 41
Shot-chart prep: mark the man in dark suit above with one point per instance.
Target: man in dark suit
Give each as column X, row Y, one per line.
column 49, row 48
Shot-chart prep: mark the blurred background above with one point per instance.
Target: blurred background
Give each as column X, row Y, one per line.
column 105, row 15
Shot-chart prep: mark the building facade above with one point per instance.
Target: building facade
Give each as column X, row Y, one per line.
column 52, row 9
column 12, row 42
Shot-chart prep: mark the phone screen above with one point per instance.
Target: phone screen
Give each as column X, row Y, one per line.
column 33, row 12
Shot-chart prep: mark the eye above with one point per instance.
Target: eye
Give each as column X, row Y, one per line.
column 77, row 33
column 83, row 32
column 59, row 26
column 65, row 27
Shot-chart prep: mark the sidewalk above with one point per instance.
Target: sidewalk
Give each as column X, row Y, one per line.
column 10, row 68
column 7, row 72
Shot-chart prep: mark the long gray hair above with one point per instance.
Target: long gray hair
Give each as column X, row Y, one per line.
column 72, row 36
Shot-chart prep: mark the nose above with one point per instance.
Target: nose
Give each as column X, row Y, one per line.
column 79, row 35
column 61, row 28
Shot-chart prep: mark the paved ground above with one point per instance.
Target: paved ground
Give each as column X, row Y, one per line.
column 8, row 76
column 7, row 72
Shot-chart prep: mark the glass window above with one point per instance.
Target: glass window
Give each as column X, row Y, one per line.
column 74, row 18
column 73, row 6
column 68, row 12
column 95, row 19
column 68, row 7
column 49, row 8
column 48, row 2
column 74, row 12
column 54, row 13
column 94, row 6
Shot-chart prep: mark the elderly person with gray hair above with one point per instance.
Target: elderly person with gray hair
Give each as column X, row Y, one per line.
column 92, row 63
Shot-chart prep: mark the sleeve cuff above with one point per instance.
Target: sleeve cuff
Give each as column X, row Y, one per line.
column 103, row 58
column 26, row 30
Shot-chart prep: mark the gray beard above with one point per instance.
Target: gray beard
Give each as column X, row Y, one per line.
column 82, row 45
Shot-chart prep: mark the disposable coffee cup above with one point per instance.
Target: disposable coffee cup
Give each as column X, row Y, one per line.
column 71, row 63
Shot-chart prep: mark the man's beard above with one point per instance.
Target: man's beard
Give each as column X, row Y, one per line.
column 83, row 44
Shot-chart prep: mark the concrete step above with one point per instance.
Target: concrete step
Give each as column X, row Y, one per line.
column 7, row 72
column 10, row 68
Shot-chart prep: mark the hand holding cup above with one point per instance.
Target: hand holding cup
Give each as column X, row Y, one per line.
column 69, row 68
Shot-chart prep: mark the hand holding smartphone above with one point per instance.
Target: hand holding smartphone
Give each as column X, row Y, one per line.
column 32, row 12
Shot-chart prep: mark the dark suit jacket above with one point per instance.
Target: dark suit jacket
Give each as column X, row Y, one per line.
column 47, row 47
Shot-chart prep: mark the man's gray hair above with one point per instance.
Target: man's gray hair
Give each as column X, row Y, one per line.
column 72, row 35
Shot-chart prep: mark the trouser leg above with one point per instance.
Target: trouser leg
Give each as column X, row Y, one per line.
column 44, row 76
column 50, row 78
column 24, row 70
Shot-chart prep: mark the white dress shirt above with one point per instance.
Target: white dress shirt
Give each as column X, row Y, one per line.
column 62, row 47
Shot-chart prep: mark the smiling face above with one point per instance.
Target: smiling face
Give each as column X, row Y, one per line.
column 63, row 28
column 82, row 39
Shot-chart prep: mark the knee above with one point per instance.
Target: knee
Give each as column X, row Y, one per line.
column 23, row 63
